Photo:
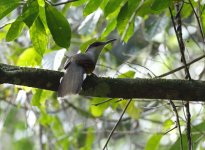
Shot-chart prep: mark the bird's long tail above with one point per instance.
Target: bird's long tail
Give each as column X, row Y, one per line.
column 72, row 80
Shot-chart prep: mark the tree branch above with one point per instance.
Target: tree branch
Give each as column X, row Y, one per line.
column 107, row 87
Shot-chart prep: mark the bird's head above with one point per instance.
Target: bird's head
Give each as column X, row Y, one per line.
column 98, row 45
column 95, row 49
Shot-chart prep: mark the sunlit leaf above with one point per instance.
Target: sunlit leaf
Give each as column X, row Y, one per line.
column 39, row 37
column 42, row 15
column 58, row 26
column 128, row 74
column 41, row 3
column 103, row 4
column 153, row 142
column 6, row 6
column 97, row 107
column 167, row 125
column 96, row 111
column 29, row 58
column 203, row 19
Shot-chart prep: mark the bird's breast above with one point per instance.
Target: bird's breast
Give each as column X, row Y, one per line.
column 86, row 62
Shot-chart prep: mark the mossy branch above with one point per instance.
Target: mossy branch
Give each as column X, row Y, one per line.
column 107, row 87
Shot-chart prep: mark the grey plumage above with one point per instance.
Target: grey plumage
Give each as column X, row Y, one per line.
column 72, row 80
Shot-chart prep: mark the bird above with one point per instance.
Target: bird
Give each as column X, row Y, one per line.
column 78, row 65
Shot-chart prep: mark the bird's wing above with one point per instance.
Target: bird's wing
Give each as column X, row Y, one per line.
column 67, row 63
column 72, row 80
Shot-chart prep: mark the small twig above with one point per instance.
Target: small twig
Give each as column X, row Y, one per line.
column 198, row 21
column 105, row 101
column 61, row 3
column 41, row 136
column 171, row 130
column 181, row 44
column 113, row 130
column 79, row 110
column 188, row 125
column 178, row 32
column 129, row 64
column 177, row 121
column 182, row 67
column 108, row 67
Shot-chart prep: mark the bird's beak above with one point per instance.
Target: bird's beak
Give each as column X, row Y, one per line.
column 109, row 41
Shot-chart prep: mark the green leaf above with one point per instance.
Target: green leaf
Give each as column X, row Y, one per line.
column 14, row 30
column 159, row 5
column 89, row 138
column 22, row 143
column 57, row 127
column 91, row 6
column 132, row 111
column 39, row 98
column 122, row 19
column 112, row 5
column 6, row 6
column 103, row 4
column 58, row 26
column 197, row 130
column 128, row 74
column 29, row 58
column 109, row 28
column 145, row 9
column 203, row 19
column 36, row 99
column 38, row 37
column 167, row 125
column 41, row 3
column 129, row 31
column 112, row 23
column 42, row 15
column 153, row 142
column 186, row 11
column 45, row 119
column 30, row 13
column 125, row 19
column 97, row 110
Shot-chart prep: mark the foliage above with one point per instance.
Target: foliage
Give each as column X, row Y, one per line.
column 36, row 33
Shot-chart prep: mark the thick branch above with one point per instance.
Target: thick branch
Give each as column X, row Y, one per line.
column 107, row 87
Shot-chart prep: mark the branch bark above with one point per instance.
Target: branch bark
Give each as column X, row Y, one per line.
column 107, row 87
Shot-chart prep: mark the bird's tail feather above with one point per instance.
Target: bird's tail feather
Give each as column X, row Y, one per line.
column 72, row 80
